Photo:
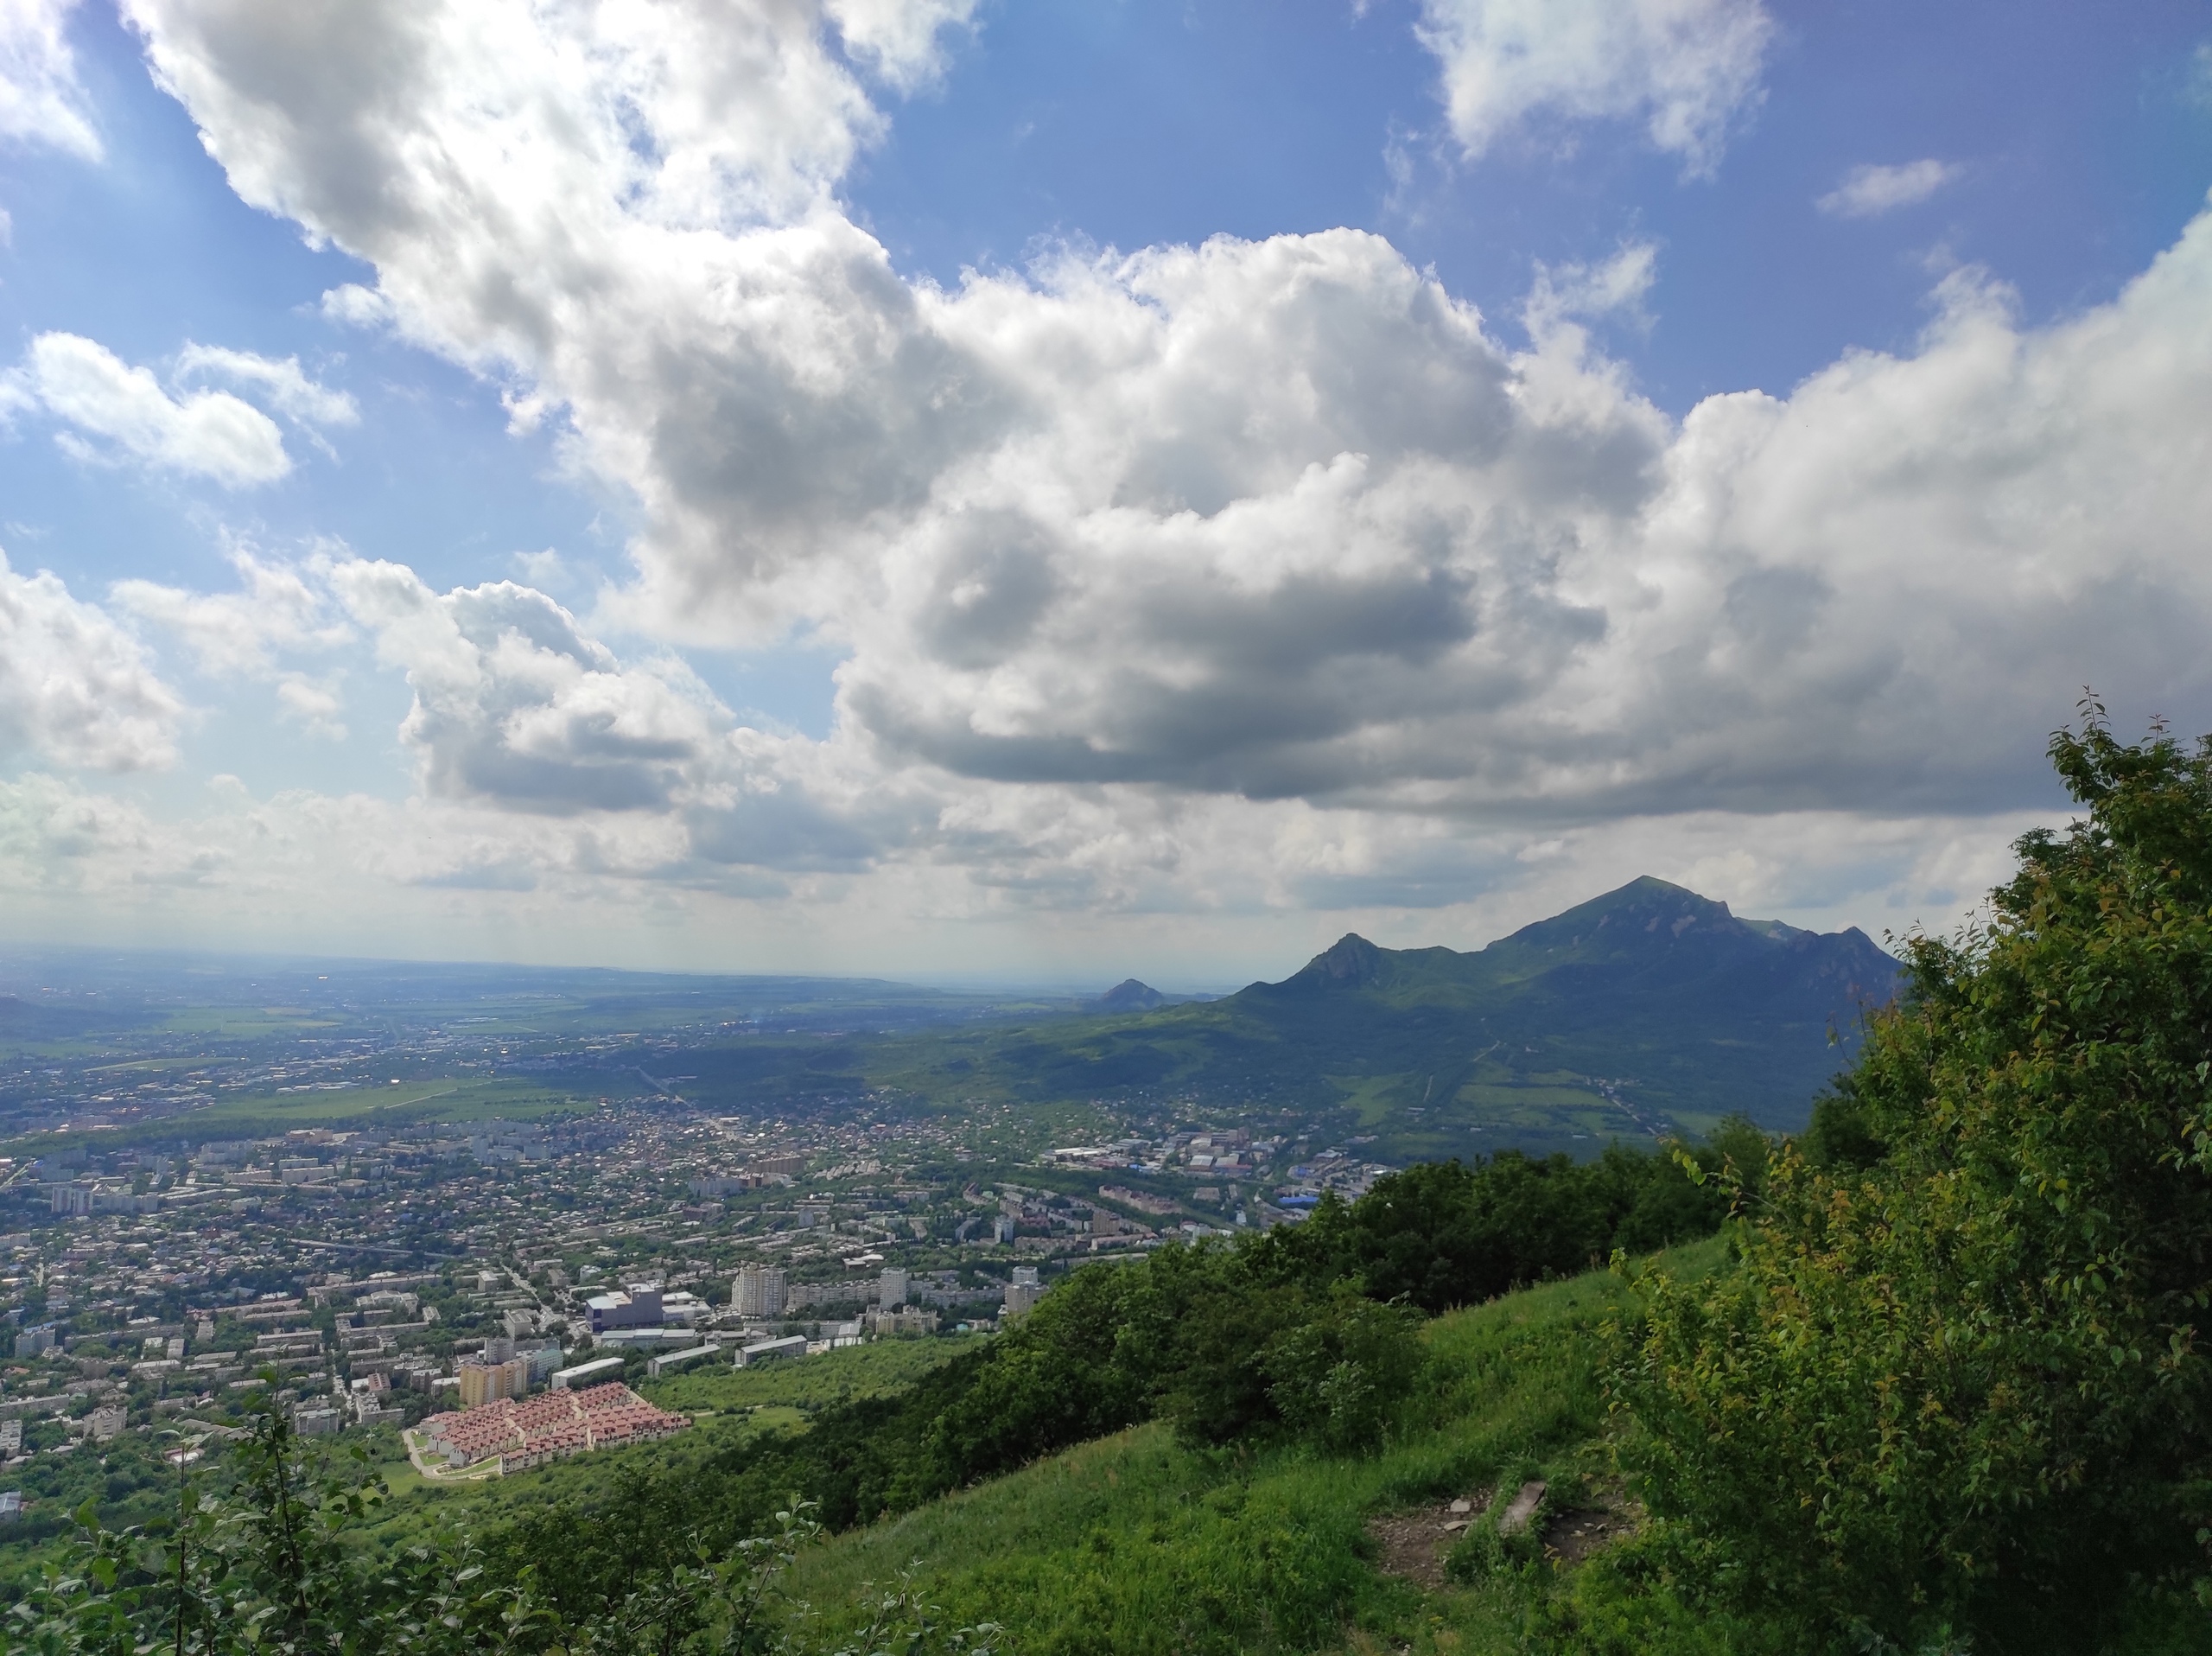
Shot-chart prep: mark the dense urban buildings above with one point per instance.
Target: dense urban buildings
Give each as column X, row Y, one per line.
column 383, row 1279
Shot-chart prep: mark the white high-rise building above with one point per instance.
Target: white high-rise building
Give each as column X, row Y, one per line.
column 1023, row 1292
column 891, row 1288
column 758, row 1291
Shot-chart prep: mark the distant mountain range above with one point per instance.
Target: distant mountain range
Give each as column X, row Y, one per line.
column 1648, row 1008
column 22, row 1020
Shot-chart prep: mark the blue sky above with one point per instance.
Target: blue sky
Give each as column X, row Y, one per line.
column 918, row 564
column 2082, row 154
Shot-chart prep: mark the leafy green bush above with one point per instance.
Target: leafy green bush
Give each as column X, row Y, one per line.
column 1337, row 1377
column 1965, row 1391
column 1447, row 1233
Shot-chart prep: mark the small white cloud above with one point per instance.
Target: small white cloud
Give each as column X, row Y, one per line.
column 2198, row 86
column 544, row 569
column 41, row 101
column 282, row 380
column 357, row 306
column 1868, row 191
column 1688, row 67
column 280, row 609
column 900, row 41
column 206, row 434
column 1565, row 292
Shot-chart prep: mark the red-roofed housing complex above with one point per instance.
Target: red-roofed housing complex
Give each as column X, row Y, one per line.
column 525, row 1435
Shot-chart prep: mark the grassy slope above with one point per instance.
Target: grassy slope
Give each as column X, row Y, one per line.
column 870, row 1371
column 1133, row 1544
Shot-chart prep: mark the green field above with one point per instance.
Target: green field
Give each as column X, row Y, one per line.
column 255, row 1115
column 873, row 1370
column 390, row 1104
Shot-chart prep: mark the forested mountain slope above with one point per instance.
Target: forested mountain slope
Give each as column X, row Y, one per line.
column 1648, row 1006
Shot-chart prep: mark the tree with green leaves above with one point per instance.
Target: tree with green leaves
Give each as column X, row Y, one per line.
column 1960, row 1386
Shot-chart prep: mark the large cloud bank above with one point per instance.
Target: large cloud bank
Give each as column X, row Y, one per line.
column 1141, row 554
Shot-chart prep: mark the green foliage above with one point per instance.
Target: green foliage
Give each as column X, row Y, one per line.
column 1447, row 1233
column 1337, row 1377
column 1965, row 1390
column 265, row 1569
column 1840, row 1137
column 1142, row 1545
column 880, row 1368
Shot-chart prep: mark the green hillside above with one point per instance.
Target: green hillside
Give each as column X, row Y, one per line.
column 1646, row 1008
column 1135, row 1543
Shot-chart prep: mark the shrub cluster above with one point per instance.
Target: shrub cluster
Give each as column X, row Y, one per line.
column 1962, row 1386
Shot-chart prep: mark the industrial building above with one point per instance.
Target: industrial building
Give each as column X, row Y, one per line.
column 637, row 1306
column 668, row 1361
column 583, row 1374
column 771, row 1351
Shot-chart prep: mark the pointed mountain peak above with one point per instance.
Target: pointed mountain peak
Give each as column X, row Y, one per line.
column 1644, row 905
column 1130, row 996
column 1351, row 960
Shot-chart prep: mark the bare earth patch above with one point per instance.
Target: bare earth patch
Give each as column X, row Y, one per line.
column 1572, row 1536
column 1413, row 1544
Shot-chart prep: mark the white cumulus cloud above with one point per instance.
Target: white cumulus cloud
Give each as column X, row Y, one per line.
column 518, row 708
column 1870, row 191
column 279, row 607
column 1189, row 541
column 1689, row 69
column 41, row 99
column 208, row 433
column 280, row 613
column 281, row 380
column 75, row 689
column 901, row 43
